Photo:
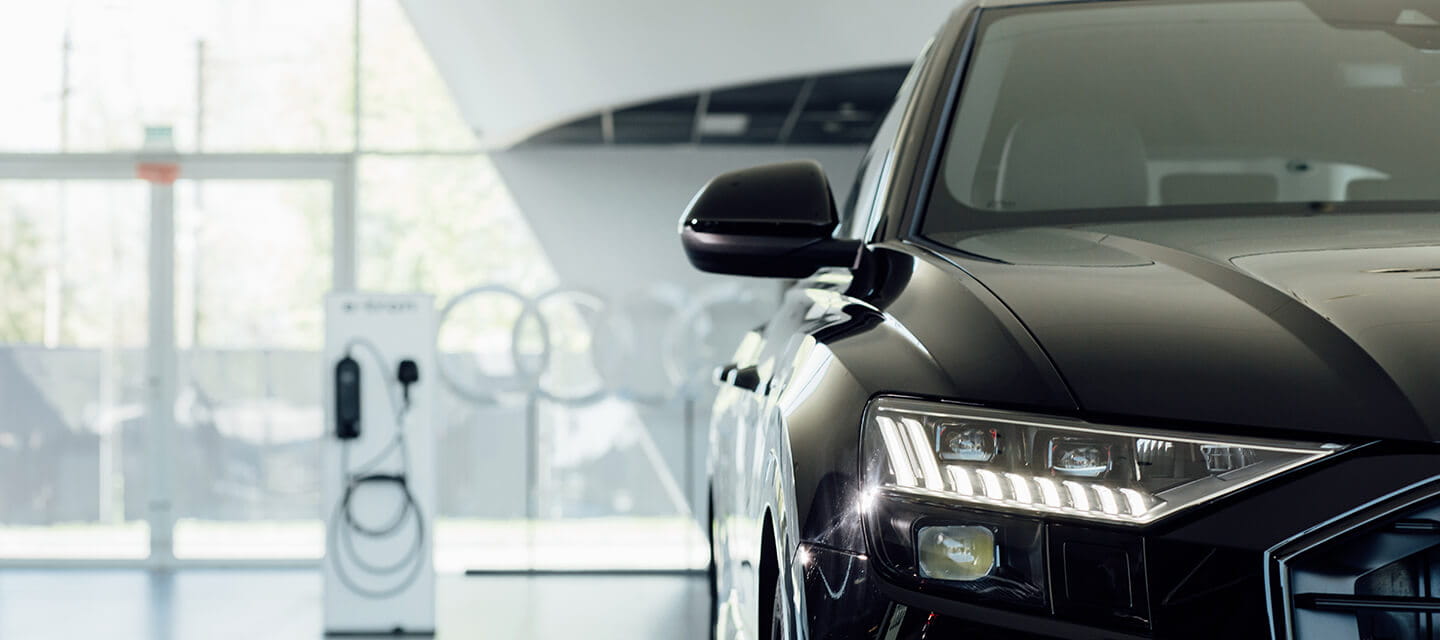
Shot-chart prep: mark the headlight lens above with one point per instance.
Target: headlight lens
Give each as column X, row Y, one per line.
column 960, row 554
column 1043, row 465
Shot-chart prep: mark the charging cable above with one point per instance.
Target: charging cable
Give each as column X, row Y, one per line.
column 345, row 527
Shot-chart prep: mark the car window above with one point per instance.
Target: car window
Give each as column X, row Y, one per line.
column 861, row 212
column 1160, row 108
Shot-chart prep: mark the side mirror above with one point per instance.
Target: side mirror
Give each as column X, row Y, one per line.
column 771, row 221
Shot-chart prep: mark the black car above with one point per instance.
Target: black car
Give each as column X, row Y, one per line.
column 1130, row 328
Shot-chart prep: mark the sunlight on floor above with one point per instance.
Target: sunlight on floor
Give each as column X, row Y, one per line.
column 578, row 543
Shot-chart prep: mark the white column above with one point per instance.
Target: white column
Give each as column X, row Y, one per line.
column 161, row 380
column 342, row 222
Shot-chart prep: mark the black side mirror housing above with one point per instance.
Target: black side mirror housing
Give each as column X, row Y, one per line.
column 770, row 221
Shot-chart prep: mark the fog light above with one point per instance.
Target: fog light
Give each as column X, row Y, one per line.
column 956, row 554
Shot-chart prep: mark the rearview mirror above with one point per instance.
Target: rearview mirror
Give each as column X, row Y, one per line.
column 771, row 221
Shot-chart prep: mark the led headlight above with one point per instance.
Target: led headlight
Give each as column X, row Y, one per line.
column 1053, row 466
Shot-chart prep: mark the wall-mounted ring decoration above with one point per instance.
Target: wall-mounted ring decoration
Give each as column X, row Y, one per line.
column 575, row 347
column 477, row 386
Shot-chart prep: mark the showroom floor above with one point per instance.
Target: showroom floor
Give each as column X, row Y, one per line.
column 285, row 605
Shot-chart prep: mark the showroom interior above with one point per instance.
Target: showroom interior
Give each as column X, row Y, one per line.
column 200, row 199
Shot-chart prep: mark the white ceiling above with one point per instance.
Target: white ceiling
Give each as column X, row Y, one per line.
column 517, row 67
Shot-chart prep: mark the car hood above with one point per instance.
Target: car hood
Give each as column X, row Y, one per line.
column 1324, row 324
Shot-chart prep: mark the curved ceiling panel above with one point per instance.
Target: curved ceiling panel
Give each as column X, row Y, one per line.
column 841, row 108
column 519, row 68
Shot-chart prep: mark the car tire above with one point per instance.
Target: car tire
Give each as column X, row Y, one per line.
column 780, row 613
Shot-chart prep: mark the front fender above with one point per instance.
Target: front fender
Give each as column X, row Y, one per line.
column 923, row 328
column 913, row 324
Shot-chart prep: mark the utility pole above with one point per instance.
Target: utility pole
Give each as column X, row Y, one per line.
column 54, row 314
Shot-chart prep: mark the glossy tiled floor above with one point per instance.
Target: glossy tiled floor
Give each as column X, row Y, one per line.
column 285, row 605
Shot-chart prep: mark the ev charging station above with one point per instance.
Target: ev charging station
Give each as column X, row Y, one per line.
column 378, row 490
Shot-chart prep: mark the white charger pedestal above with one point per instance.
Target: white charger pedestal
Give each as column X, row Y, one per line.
column 378, row 491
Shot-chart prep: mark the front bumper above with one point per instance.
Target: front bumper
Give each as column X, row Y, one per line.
column 845, row 599
column 1214, row 575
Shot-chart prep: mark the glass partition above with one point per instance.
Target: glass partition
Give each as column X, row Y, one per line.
column 72, row 375
column 252, row 260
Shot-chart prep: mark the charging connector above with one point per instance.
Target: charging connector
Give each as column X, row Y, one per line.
column 408, row 373
column 347, row 399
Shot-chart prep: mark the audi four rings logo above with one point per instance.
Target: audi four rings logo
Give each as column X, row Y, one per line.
column 617, row 355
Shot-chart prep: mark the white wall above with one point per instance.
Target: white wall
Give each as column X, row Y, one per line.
column 517, row 67
column 607, row 216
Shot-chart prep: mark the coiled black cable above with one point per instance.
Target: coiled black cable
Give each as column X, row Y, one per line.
column 345, row 526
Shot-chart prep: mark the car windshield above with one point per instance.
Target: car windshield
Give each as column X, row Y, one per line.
column 1138, row 110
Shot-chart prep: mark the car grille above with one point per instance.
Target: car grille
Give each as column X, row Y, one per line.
column 1373, row 574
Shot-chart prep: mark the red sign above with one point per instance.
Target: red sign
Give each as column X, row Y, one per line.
column 157, row 172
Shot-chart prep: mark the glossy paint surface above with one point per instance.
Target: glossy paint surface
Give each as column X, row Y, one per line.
column 1327, row 325
column 796, row 455
column 1323, row 327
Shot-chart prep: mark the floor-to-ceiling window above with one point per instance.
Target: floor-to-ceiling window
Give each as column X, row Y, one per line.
column 251, row 259
column 225, row 164
column 72, row 368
